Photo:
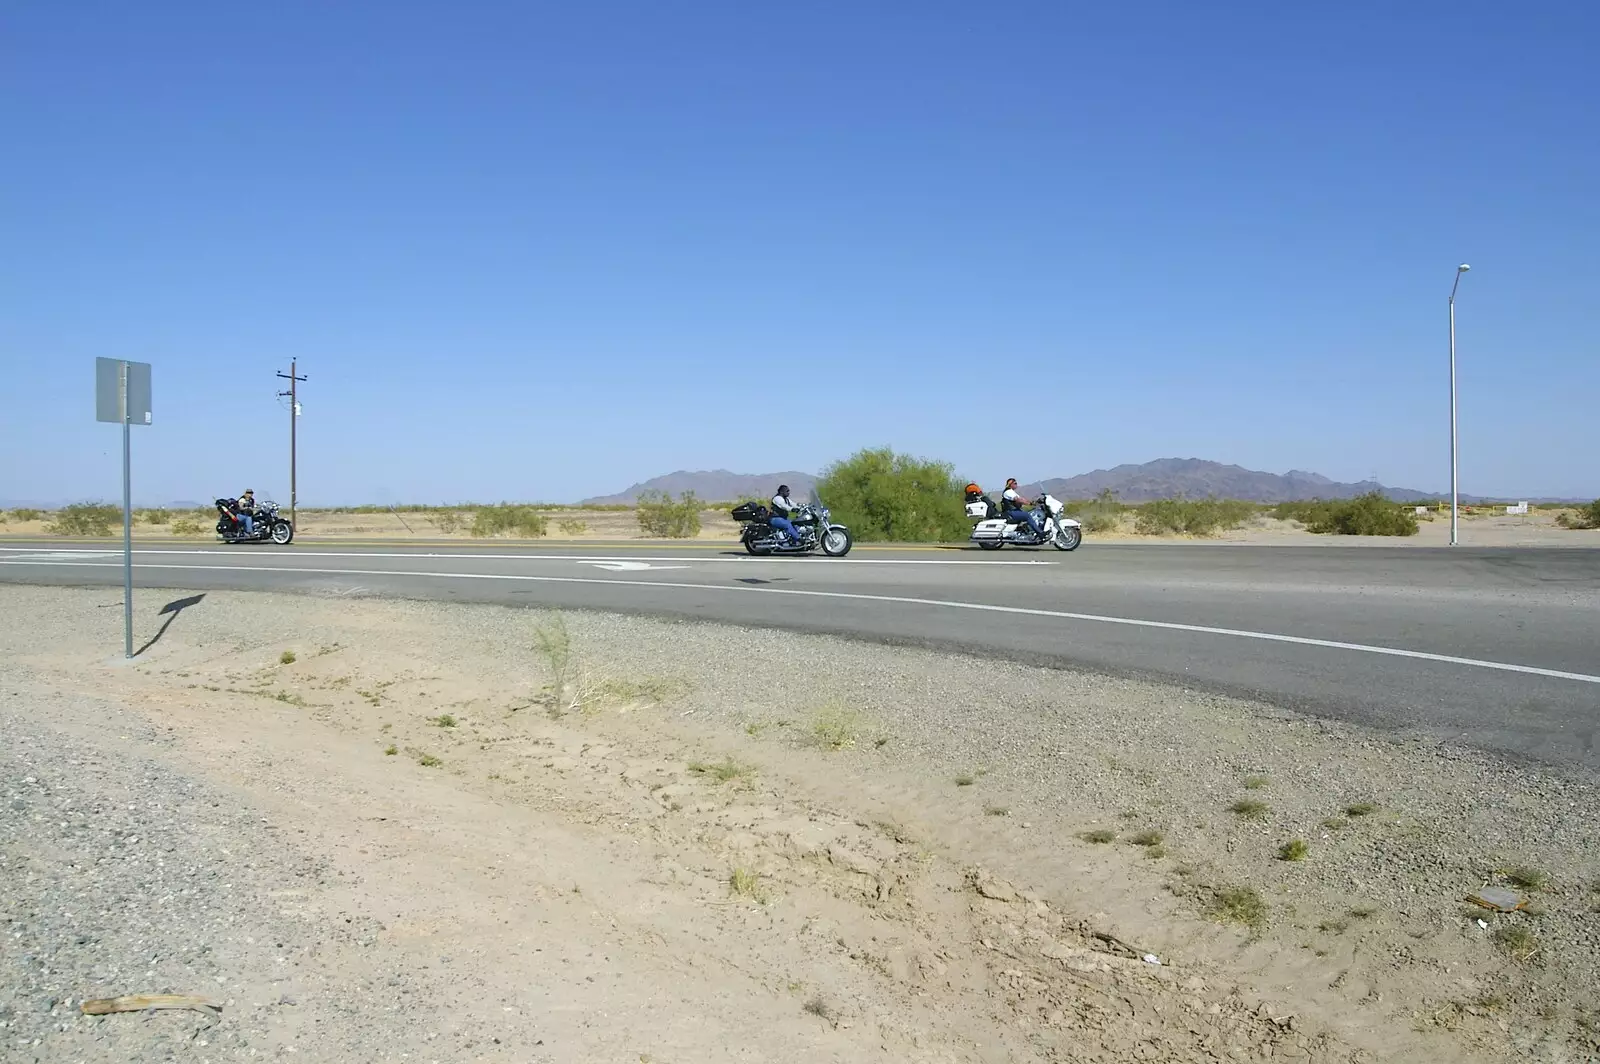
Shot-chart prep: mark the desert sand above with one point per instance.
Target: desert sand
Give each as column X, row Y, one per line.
column 427, row 838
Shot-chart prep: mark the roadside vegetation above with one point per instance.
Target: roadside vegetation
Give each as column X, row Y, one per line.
column 1583, row 517
column 895, row 498
column 86, row 519
column 663, row 518
column 1366, row 515
column 509, row 519
column 1098, row 515
column 1193, row 517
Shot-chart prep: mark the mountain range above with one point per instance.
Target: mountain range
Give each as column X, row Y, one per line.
column 716, row 485
column 1196, row 478
column 1164, row 478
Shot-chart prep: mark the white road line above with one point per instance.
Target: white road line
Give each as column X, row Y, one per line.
column 981, row 607
column 250, row 553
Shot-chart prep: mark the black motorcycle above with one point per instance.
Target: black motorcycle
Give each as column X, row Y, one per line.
column 266, row 525
column 811, row 522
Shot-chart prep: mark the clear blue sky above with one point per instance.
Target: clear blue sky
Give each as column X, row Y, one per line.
column 544, row 250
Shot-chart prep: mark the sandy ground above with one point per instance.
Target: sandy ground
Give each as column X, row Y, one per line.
column 1478, row 529
column 703, row 843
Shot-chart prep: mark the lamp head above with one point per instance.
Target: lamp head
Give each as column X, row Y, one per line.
column 1463, row 268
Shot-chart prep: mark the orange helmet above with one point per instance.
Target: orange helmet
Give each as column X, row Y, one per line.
column 973, row 489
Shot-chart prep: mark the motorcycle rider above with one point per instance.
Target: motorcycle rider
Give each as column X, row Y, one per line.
column 1017, row 508
column 245, row 511
column 782, row 507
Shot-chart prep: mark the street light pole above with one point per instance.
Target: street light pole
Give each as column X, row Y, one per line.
column 1455, row 484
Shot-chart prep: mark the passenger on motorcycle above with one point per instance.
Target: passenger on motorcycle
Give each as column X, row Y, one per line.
column 781, row 509
column 245, row 511
column 1016, row 508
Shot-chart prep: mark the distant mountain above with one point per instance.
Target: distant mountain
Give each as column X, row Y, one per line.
column 717, row 485
column 1195, row 478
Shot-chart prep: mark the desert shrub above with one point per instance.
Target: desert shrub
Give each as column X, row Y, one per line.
column 157, row 517
column 1195, row 517
column 1583, row 517
column 888, row 497
column 23, row 513
column 1366, row 515
column 509, row 519
column 185, row 526
column 448, row 521
column 660, row 516
column 86, row 519
column 1103, row 513
column 572, row 526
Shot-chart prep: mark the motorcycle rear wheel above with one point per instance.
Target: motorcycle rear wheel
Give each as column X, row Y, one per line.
column 990, row 544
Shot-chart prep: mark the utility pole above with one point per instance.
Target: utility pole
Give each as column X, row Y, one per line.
column 294, row 416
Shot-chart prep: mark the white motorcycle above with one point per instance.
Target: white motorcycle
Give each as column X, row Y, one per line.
column 992, row 533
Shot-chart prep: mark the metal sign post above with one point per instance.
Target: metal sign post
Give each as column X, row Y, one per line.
column 122, row 395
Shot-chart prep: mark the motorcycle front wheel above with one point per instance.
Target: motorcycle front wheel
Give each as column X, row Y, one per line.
column 836, row 542
column 282, row 533
column 1067, row 537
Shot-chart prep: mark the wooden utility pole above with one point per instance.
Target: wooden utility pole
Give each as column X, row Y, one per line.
column 294, row 416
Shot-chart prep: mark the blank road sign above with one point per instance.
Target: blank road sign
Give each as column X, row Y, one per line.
column 108, row 391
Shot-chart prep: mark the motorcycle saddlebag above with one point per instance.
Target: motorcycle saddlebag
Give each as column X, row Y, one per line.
column 750, row 511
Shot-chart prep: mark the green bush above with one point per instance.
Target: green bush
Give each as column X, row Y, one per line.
column 157, row 517
column 509, row 519
column 1195, row 517
column 661, row 517
column 86, row 519
column 1582, row 517
column 888, row 497
column 1366, row 515
column 25, row 514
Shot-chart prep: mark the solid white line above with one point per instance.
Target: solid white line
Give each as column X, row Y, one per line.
column 528, row 557
column 1171, row 626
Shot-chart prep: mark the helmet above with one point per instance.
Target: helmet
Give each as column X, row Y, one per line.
column 973, row 489
column 783, row 489
column 1011, row 482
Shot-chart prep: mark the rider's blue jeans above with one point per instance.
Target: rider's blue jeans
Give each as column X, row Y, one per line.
column 1029, row 516
column 783, row 524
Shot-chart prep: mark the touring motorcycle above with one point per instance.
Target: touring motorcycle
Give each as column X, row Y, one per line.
column 813, row 524
column 267, row 525
column 992, row 531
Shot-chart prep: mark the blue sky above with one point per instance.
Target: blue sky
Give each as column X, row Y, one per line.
column 542, row 251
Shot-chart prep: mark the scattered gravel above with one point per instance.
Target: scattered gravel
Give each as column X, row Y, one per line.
column 122, row 876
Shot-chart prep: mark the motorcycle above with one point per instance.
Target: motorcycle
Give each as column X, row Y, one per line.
column 813, row 524
column 267, row 525
column 991, row 532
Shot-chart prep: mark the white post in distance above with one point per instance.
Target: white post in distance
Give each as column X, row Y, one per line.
column 1455, row 484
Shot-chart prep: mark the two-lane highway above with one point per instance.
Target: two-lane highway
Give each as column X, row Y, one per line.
column 1496, row 648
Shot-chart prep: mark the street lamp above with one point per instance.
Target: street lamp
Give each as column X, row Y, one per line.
column 1455, row 486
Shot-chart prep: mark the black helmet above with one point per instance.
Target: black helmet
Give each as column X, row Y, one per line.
column 783, row 489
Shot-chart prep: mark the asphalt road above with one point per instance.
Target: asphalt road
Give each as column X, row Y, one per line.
column 1497, row 648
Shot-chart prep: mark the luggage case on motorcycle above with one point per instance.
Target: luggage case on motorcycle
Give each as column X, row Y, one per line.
column 750, row 511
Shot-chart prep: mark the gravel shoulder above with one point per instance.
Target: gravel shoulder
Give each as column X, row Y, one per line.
column 377, row 830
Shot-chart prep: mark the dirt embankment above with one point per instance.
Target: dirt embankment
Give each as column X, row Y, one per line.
column 393, row 828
